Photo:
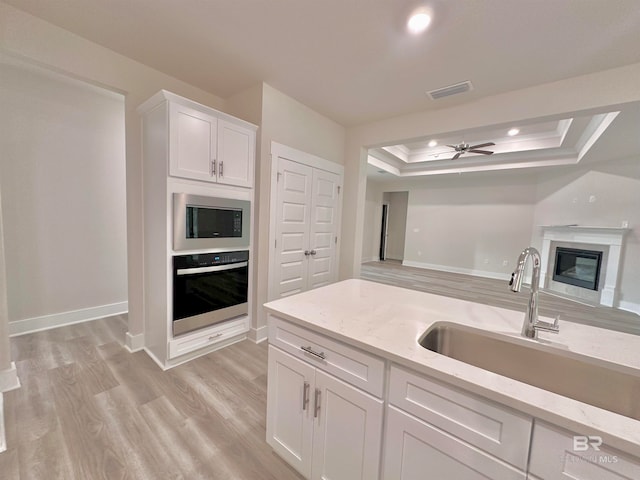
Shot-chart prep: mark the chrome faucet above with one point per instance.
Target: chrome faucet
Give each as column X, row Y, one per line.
column 531, row 323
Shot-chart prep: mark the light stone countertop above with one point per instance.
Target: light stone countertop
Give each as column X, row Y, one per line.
column 388, row 321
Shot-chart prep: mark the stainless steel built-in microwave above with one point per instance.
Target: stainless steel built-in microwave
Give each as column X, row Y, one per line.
column 207, row 222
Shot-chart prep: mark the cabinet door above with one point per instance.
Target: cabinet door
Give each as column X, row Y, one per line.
column 192, row 143
column 557, row 454
column 293, row 213
column 236, row 153
column 416, row 450
column 347, row 432
column 323, row 228
column 289, row 404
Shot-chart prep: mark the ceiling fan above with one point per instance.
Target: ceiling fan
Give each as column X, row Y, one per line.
column 463, row 148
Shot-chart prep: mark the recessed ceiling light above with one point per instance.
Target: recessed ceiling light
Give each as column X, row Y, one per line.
column 513, row 132
column 418, row 22
column 432, row 143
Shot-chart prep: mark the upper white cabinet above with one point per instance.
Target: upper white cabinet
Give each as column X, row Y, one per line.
column 236, row 151
column 208, row 145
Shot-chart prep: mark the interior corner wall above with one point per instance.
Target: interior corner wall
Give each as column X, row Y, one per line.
column 291, row 123
column 605, row 195
column 42, row 43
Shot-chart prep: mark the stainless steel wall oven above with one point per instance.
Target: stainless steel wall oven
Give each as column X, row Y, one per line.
column 209, row 288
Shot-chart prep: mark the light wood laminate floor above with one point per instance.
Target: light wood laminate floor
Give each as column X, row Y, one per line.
column 89, row 409
column 496, row 292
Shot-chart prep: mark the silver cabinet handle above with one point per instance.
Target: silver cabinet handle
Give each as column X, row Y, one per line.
column 312, row 352
column 316, row 403
column 305, row 396
column 221, row 168
column 213, row 337
column 313, row 252
column 213, row 167
column 307, row 253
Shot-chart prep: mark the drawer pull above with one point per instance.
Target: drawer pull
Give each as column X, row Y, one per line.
column 305, row 396
column 213, row 337
column 310, row 350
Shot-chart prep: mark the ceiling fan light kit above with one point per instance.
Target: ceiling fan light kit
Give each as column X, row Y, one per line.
column 463, row 148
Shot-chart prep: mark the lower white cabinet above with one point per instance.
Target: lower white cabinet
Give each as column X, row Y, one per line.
column 325, row 428
column 558, row 454
column 416, row 450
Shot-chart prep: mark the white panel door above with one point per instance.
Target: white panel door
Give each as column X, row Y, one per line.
column 292, row 227
column 236, row 150
column 289, row 407
column 347, row 433
column 323, row 228
column 192, row 143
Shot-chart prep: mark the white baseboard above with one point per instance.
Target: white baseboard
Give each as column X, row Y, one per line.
column 9, row 379
column 467, row 271
column 629, row 307
column 134, row 343
column 37, row 324
column 258, row 335
column 370, row 259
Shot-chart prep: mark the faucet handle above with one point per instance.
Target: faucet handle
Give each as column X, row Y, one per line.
column 548, row 327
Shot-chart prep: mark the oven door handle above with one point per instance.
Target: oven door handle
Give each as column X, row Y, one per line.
column 215, row 268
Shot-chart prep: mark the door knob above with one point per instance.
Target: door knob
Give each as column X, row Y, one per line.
column 307, row 253
column 313, row 252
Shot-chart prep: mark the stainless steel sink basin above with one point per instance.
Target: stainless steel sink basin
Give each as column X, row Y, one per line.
column 587, row 380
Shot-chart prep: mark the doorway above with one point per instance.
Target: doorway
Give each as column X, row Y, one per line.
column 393, row 225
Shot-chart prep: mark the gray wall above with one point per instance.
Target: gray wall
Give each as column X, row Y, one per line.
column 62, row 174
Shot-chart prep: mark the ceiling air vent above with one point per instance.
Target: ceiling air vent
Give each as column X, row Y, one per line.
column 450, row 90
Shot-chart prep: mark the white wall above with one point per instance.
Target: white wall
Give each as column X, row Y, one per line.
column 396, row 223
column 28, row 37
column 62, row 178
column 372, row 223
column 470, row 224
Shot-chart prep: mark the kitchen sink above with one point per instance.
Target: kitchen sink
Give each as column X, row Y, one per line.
column 601, row 384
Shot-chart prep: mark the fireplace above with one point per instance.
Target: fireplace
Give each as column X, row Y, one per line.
column 578, row 267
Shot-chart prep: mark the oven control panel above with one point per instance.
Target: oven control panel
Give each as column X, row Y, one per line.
column 210, row 259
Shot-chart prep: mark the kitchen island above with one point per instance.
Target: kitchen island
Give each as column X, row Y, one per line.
column 384, row 323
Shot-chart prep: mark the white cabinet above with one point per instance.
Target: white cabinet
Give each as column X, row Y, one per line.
column 209, row 147
column 557, row 454
column 416, row 450
column 307, row 218
column 450, row 433
column 324, row 427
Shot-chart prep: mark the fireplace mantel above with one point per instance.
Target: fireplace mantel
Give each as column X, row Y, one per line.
column 611, row 237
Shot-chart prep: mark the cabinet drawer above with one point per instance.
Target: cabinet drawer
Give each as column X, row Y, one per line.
column 416, row 450
column 207, row 337
column 347, row 363
column 491, row 427
column 555, row 457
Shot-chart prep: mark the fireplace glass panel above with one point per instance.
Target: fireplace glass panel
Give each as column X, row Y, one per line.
column 578, row 267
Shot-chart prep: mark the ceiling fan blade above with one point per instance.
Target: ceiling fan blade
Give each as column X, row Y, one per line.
column 488, row 144
column 483, row 152
column 456, row 155
column 455, row 147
